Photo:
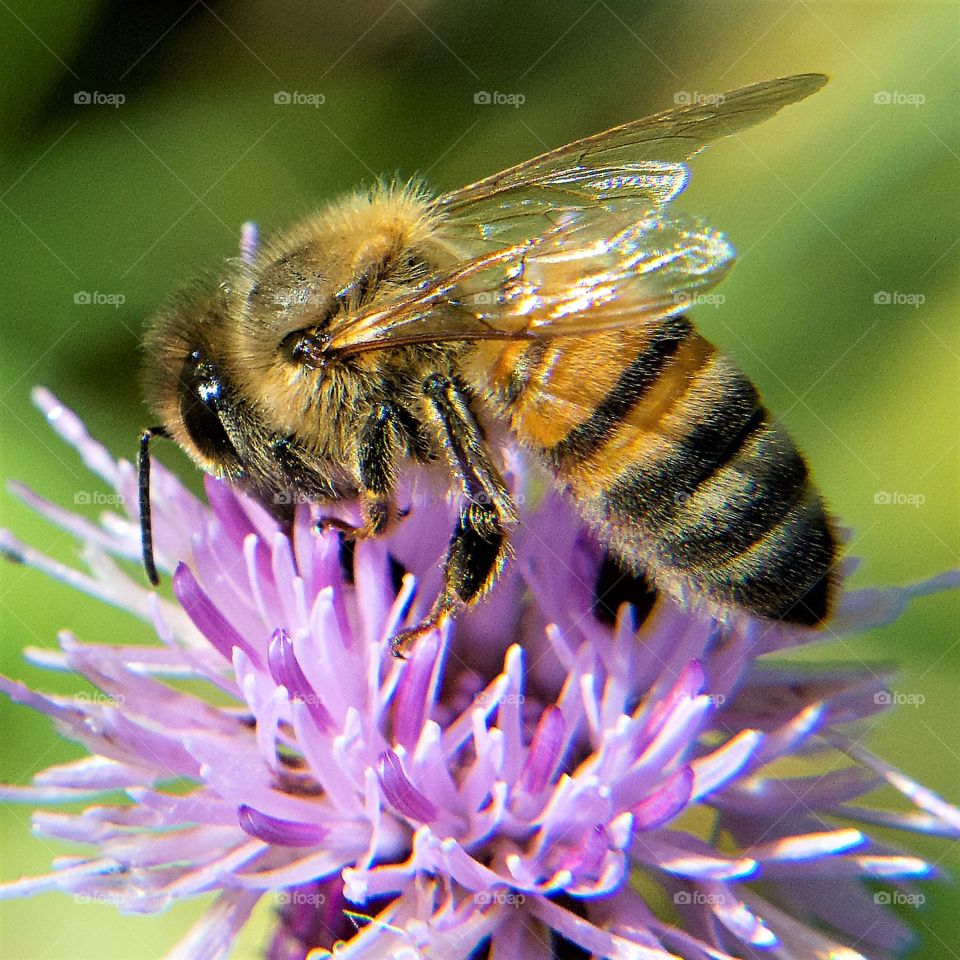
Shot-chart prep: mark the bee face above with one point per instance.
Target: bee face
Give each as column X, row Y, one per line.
column 227, row 437
column 546, row 301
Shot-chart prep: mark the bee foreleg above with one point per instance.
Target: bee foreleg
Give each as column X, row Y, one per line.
column 378, row 450
column 479, row 546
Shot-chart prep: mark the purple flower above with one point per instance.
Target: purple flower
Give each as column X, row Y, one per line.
column 529, row 776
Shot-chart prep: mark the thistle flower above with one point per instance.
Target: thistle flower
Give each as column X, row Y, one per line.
column 530, row 780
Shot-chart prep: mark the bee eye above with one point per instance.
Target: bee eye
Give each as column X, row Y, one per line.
column 202, row 399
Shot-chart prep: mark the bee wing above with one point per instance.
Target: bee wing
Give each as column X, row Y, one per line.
column 639, row 162
column 602, row 269
column 576, row 237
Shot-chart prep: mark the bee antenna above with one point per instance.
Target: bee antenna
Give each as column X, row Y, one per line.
column 146, row 522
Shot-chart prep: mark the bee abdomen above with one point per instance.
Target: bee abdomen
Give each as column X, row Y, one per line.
column 682, row 468
column 633, row 384
column 752, row 533
column 787, row 574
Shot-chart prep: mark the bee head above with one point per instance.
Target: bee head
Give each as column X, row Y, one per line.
column 193, row 402
column 187, row 386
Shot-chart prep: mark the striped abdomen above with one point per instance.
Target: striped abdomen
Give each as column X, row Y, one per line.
column 667, row 449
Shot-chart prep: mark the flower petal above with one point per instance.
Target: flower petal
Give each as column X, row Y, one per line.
column 400, row 793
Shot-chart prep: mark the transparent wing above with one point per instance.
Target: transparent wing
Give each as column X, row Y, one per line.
column 513, row 214
column 578, row 238
column 639, row 162
column 599, row 270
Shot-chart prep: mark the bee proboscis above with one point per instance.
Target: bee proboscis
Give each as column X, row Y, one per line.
column 547, row 303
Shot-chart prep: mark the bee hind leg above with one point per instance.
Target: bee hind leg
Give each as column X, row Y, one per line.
column 479, row 546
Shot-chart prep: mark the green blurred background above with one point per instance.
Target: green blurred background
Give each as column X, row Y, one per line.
column 845, row 200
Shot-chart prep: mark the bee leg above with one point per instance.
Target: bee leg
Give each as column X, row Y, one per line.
column 479, row 546
column 378, row 449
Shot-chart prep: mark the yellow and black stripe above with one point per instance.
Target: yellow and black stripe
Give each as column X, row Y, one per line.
column 665, row 443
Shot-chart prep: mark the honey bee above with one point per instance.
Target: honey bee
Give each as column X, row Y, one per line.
column 546, row 303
